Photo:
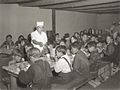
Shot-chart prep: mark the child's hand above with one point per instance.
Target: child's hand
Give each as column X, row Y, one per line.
column 12, row 62
column 22, row 67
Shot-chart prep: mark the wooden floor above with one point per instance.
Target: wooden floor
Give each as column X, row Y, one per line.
column 112, row 83
column 2, row 86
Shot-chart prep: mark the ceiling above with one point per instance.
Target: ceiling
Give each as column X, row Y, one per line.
column 87, row 6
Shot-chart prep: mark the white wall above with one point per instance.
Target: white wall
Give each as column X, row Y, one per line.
column 67, row 21
column 105, row 20
column 18, row 20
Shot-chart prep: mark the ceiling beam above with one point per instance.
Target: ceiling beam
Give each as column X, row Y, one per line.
column 47, row 2
column 14, row 1
column 95, row 12
column 97, row 8
column 84, row 3
column 100, row 11
column 111, row 5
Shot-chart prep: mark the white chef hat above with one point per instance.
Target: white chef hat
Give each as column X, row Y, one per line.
column 39, row 23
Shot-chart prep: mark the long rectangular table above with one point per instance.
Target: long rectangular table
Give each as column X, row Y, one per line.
column 104, row 70
column 13, row 71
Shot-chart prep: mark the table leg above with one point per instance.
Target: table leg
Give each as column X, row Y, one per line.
column 13, row 83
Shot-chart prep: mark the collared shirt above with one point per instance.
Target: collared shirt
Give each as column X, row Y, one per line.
column 62, row 65
column 39, row 38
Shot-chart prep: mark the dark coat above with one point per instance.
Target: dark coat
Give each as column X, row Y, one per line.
column 81, row 64
column 79, row 74
column 38, row 75
column 116, row 54
column 109, row 53
column 94, row 60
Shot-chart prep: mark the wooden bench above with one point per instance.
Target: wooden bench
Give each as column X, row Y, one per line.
column 74, row 84
column 92, row 76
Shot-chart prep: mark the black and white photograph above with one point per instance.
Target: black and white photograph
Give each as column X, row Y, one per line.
column 59, row 44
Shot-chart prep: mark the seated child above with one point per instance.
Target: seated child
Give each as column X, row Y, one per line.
column 109, row 50
column 16, row 57
column 51, row 47
column 63, row 65
column 38, row 74
column 80, row 71
column 18, row 42
column 27, row 47
column 80, row 63
column 8, row 44
column 94, row 58
column 63, row 42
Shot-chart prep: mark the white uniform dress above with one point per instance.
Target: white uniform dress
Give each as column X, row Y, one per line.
column 39, row 38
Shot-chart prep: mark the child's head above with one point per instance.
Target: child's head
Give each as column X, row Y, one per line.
column 92, row 46
column 63, row 42
column 109, row 39
column 51, row 43
column 66, row 36
column 57, row 35
column 34, row 54
column 20, row 37
column 9, row 38
column 17, row 55
column 60, row 51
column 93, row 38
column 76, row 34
column 90, row 31
column 28, row 46
column 23, row 42
column 73, row 39
column 75, row 47
column 81, row 33
column 84, row 37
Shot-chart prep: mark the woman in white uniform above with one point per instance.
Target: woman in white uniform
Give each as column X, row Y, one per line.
column 39, row 37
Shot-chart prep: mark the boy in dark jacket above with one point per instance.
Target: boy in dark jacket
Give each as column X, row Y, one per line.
column 80, row 65
column 38, row 74
column 94, row 58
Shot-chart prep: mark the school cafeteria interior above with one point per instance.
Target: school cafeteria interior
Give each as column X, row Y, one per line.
column 59, row 44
